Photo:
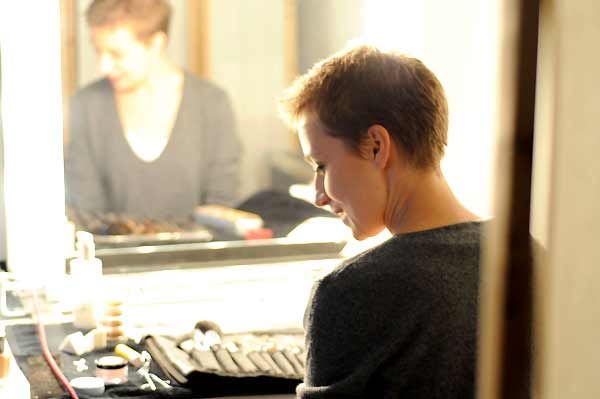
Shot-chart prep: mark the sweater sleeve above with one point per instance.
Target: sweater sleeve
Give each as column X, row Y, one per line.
column 224, row 148
column 83, row 180
column 333, row 346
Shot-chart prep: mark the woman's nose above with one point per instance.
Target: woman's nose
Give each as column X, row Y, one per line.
column 106, row 65
column 321, row 198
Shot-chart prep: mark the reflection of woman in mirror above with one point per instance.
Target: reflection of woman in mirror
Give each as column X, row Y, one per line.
column 149, row 139
column 400, row 320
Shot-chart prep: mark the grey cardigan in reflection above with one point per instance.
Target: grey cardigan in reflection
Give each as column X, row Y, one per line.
column 199, row 165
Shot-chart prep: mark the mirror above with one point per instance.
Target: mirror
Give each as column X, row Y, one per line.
column 463, row 56
column 253, row 52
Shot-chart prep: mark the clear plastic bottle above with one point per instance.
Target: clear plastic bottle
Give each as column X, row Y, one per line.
column 86, row 276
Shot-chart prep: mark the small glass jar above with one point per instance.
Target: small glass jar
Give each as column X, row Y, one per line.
column 112, row 369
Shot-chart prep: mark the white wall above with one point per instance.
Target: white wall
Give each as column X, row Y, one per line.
column 325, row 27
column 248, row 59
column 570, row 277
column 460, row 47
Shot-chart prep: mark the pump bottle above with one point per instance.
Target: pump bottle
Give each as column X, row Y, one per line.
column 86, row 273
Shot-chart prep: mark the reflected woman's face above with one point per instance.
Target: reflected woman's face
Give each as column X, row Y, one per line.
column 124, row 59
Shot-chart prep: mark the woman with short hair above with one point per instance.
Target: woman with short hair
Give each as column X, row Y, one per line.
column 400, row 320
column 148, row 139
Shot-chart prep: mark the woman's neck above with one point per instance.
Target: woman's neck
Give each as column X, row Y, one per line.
column 422, row 200
column 164, row 75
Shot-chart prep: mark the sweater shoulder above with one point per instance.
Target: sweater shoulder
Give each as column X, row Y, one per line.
column 203, row 88
column 411, row 257
column 97, row 90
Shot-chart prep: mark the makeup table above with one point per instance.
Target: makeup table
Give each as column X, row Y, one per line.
column 229, row 295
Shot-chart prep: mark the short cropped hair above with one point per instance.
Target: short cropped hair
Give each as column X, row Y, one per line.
column 144, row 17
column 363, row 86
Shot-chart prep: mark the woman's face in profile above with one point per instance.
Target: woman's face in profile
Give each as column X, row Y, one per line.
column 123, row 58
column 347, row 182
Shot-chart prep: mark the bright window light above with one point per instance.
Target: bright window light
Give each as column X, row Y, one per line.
column 395, row 25
column 32, row 126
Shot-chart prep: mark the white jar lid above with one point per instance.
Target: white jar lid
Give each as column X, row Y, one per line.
column 92, row 386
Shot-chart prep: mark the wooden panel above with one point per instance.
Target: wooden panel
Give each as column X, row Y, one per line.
column 542, row 181
column 68, row 44
column 291, row 40
column 494, row 254
column 506, row 310
column 290, row 21
column 198, row 38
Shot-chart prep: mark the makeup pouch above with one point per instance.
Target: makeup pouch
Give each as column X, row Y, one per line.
column 215, row 364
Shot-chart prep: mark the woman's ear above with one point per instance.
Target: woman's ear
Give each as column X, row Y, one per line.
column 378, row 145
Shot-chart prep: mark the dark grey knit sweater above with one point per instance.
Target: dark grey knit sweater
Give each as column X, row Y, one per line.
column 398, row 321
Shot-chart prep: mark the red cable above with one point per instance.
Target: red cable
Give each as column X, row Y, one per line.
column 47, row 355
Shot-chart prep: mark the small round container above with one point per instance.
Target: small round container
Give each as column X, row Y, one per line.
column 112, row 369
column 90, row 386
